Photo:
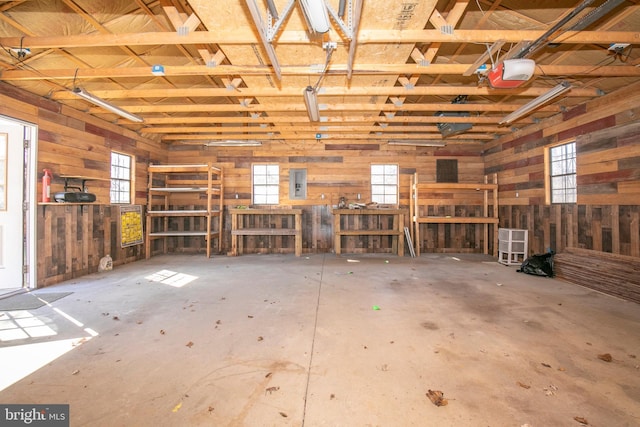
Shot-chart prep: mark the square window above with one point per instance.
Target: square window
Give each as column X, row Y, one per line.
column 266, row 184
column 384, row 184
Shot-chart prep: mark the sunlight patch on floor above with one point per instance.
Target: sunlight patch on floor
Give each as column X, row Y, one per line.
column 171, row 278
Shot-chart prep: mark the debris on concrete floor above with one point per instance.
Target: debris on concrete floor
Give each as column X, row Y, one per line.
column 271, row 389
column 551, row 390
column 437, row 398
column 523, row 385
column 605, row 357
column 581, row 420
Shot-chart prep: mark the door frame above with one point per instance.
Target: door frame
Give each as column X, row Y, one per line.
column 29, row 201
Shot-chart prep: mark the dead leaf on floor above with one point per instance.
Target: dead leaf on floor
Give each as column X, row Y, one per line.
column 523, row 385
column 177, row 407
column 189, row 344
column 271, row 389
column 546, row 365
column 581, row 420
column 260, row 338
column 437, row 398
column 605, row 357
column 282, row 414
column 268, row 375
column 250, row 316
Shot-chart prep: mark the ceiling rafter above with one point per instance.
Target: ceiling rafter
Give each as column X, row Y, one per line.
column 345, row 121
column 399, row 91
column 300, row 37
column 336, row 69
column 289, row 107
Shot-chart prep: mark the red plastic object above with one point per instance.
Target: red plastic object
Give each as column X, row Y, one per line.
column 46, row 186
column 496, row 80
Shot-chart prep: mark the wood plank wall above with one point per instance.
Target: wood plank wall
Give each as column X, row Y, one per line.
column 71, row 239
column 606, row 216
column 333, row 171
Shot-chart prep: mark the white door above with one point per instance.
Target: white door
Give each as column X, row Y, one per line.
column 11, row 196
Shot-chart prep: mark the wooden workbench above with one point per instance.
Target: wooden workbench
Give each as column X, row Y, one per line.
column 397, row 231
column 239, row 228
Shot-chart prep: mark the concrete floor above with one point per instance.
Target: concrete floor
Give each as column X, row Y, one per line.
column 274, row 340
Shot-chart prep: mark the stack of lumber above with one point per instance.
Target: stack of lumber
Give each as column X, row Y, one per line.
column 612, row 274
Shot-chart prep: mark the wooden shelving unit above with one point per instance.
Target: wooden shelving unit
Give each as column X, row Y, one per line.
column 468, row 194
column 171, row 189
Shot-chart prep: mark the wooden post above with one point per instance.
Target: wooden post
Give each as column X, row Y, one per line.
column 298, row 238
column 416, row 212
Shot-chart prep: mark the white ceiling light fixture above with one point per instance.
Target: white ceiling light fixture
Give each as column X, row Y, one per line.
column 310, row 93
column 536, row 103
column 417, row 143
column 311, row 102
column 234, row 143
column 315, row 13
column 106, row 105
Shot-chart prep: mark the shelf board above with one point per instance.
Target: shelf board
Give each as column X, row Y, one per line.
column 180, row 234
column 178, row 213
column 456, row 220
column 179, row 189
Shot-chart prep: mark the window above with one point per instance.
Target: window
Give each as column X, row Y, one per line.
column 562, row 162
column 384, row 184
column 266, row 183
column 121, row 173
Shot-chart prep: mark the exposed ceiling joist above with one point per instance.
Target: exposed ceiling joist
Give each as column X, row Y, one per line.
column 300, row 37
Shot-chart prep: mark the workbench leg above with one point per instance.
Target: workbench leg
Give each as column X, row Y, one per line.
column 400, row 238
column 298, row 238
column 234, row 237
column 336, row 233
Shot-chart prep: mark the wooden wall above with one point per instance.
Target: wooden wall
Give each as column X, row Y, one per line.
column 333, row 171
column 606, row 216
column 72, row 238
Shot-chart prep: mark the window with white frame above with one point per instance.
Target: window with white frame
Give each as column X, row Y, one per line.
column 266, row 184
column 384, row 184
column 562, row 167
column 121, row 176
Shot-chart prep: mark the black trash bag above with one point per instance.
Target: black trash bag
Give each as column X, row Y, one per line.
column 538, row 265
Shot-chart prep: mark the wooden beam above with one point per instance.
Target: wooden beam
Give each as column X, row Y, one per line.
column 394, row 91
column 310, row 127
column 301, row 37
column 345, row 121
column 340, row 136
column 334, row 69
column 300, row 107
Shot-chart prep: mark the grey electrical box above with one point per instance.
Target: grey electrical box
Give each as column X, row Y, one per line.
column 297, row 184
